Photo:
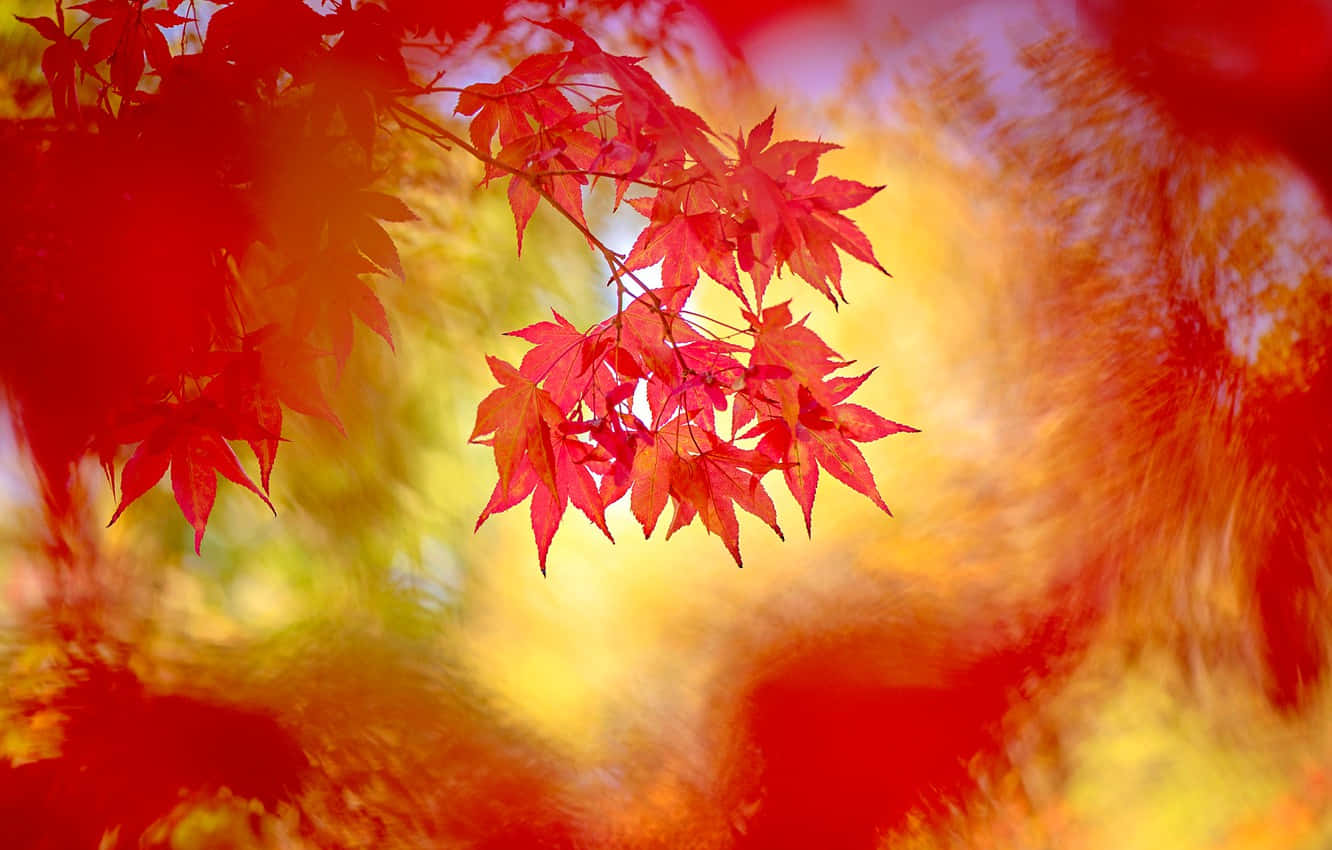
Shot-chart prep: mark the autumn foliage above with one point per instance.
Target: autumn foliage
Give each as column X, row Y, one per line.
column 193, row 234
column 1124, row 335
column 566, row 415
column 233, row 205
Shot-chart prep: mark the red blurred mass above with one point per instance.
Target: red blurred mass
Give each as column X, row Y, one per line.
column 845, row 722
column 128, row 756
column 1261, row 72
column 735, row 20
column 112, row 280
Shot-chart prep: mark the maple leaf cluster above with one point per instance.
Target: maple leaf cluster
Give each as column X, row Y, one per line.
column 652, row 402
column 224, row 201
column 213, row 235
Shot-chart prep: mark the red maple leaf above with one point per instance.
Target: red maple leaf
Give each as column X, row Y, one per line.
column 352, row 222
column 252, row 406
column 650, row 329
column 685, row 244
column 521, row 419
column 548, row 163
column 265, row 37
column 58, row 61
column 705, row 477
column 646, row 118
column 572, row 481
column 565, row 361
column 290, row 371
column 332, row 292
column 803, row 420
column 804, row 449
column 793, row 218
column 573, row 484
column 196, row 452
column 792, row 357
column 505, row 106
column 710, row 371
column 128, row 34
